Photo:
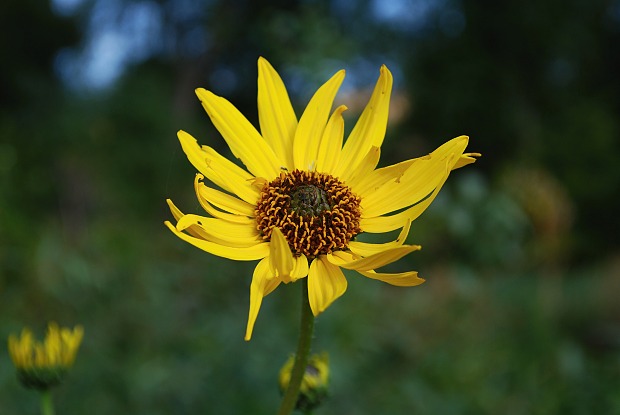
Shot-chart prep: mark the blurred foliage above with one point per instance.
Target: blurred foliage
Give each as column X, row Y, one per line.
column 519, row 313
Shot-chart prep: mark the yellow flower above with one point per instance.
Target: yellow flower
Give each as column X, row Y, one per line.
column 44, row 364
column 305, row 196
column 314, row 384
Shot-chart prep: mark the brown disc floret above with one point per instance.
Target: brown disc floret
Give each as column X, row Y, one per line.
column 316, row 212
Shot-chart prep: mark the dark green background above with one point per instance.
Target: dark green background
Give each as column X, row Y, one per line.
column 520, row 311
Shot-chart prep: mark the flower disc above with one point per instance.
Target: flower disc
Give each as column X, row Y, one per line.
column 316, row 212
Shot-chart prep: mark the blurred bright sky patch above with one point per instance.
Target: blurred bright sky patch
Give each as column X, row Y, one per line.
column 119, row 34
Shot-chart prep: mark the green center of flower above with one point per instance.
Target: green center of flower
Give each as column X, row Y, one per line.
column 316, row 212
column 309, row 200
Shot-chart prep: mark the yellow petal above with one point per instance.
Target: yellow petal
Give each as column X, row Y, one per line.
column 416, row 183
column 221, row 231
column 342, row 257
column 402, row 279
column 212, row 210
column 20, row 348
column 331, row 142
column 225, row 201
column 177, row 214
column 194, row 153
column 455, row 146
column 373, row 261
column 326, row 282
column 280, row 256
column 15, row 351
column 262, row 284
column 363, row 169
column 300, row 267
column 248, row 253
column 381, row 224
column 275, row 113
column 379, row 177
column 370, row 128
column 466, row 159
column 367, row 249
column 217, row 168
column 312, row 123
column 248, row 190
column 241, row 136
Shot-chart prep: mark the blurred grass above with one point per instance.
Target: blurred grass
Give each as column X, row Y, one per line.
column 165, row 336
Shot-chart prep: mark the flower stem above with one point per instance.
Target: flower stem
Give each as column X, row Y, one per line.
column 301, row 357
column 47, row 407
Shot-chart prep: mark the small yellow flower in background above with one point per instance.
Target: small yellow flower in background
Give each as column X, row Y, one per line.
column 41, row 365
column 305, row 196
column 315, row 381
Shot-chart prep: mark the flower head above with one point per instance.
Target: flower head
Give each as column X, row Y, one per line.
column 304, row 196
column 314, row 383
column 44, row 364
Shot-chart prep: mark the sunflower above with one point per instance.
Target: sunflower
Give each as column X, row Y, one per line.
column 304, row 196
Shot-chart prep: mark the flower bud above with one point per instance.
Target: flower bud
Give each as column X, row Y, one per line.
column 314, row 385
column 41, row 365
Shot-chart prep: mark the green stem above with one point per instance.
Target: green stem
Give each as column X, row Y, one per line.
column 47, row 407
column 301, row 357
